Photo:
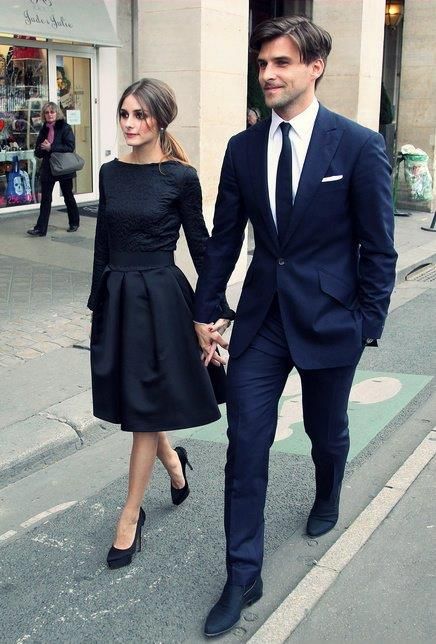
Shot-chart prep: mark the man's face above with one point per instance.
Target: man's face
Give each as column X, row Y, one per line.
column 287, row 83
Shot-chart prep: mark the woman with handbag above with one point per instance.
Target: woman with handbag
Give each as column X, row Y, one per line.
column 55, row 136
column 147, row 371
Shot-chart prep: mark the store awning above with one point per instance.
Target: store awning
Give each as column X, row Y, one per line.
column 84, row 21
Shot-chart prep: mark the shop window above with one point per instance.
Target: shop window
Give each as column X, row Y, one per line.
column 23, row 90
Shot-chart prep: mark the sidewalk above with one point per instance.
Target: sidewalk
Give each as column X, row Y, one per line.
column 376, row 583
column 386, row 593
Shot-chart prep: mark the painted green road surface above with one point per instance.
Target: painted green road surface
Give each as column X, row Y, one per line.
column 376, row 397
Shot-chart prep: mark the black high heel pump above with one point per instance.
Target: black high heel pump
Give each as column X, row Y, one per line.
column 178, row 496
column 117, row 558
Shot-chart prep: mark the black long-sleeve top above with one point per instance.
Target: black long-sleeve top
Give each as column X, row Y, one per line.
column 141, row 209
column 64, row 141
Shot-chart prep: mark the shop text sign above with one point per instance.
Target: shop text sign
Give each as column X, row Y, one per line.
column 74, row 21
column 41, row 12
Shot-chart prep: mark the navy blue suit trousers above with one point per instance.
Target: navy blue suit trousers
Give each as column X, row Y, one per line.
column 256, row 380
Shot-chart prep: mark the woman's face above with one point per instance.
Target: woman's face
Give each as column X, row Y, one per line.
column 50, row 115
column 251, row 117
column 139, row 128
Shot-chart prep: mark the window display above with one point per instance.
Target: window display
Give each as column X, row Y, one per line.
column 23, row 90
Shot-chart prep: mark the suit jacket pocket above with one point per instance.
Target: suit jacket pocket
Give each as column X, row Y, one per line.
column 338, row 289
column 332, row 186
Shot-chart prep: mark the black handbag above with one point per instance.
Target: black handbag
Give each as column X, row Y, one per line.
column 65, row 163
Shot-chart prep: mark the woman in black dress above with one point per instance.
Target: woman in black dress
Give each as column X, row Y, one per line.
column 147, row 371
column 55, row 136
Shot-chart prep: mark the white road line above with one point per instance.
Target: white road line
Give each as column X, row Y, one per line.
column 62, row 506
column 47, row 513
column 297, row 605
column 35, row 519
column 7, row 535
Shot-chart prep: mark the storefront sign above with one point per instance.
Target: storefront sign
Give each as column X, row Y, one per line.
column 73, row 117
column 85, row 21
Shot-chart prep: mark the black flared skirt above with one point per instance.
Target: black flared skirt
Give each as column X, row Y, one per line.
column 147, row 372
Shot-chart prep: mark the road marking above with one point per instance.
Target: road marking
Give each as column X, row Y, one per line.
column 47, row 513
column 62, row 506
column 35, row 519
column 298, row 604
column 7, row 535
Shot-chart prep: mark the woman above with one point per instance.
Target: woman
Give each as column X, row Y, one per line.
column 147, row 372
column 253, row 116
column 55, row 136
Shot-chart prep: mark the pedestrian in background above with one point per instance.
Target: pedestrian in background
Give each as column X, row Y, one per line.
column 56, row 135
column 147, row 372
column 253, row 116
column 317, row 189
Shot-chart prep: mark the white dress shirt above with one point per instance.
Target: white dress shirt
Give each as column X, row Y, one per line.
column 300, row 135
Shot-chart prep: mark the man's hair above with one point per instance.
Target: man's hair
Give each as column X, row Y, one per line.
column 313, row 42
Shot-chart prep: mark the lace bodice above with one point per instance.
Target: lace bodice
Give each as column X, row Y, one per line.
column 142, row 208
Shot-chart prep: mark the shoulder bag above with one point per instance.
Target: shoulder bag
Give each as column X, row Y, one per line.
column 65, row 163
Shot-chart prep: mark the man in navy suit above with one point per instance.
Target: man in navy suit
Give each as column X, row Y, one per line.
column 317, row 190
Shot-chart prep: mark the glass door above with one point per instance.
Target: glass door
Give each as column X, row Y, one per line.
column 72, row 90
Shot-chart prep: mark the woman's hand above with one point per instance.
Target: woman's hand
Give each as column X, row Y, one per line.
column 46, row 146
column 209, row 338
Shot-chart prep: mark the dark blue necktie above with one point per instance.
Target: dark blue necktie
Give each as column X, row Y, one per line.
column 284, row 183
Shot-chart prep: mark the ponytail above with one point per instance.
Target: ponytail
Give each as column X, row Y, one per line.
column 171, row 148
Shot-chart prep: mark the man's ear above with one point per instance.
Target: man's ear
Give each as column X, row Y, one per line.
column 318, row 67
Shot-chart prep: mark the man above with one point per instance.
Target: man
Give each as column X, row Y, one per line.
column 316, row 187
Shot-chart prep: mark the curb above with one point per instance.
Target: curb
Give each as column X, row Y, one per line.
column 50, row 435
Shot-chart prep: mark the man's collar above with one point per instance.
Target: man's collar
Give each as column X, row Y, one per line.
column 302, row 123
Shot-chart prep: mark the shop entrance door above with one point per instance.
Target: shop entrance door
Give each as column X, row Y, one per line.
column 71, row 85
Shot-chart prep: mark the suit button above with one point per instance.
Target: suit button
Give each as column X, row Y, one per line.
column 281, row 261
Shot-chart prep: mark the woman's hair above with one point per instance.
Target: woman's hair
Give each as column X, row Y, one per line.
column 313, row 42
column 52, row 106
column 158, row 99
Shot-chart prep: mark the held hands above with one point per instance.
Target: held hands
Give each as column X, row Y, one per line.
column 45, row 145
column 209, row 337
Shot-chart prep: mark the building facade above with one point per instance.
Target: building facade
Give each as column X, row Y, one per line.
column 82, row 55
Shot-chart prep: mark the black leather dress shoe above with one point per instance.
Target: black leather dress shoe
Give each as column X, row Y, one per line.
column 322, row 518
column 317, row 526
column 34, row 232
column 72, row 229
column 227, row 611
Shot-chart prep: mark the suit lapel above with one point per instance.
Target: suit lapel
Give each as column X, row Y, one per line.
column 257, row 158
column 323, row 143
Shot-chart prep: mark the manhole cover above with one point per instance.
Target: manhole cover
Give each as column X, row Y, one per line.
column 423, row 273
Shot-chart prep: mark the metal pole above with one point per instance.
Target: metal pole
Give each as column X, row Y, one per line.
column 432, row 227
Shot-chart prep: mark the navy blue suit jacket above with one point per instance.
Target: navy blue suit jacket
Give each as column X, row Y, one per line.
column 335, row 270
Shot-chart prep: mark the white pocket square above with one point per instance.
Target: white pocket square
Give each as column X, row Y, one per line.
column 336, row 177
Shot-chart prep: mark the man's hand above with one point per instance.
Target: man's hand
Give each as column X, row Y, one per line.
column 209, row 337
